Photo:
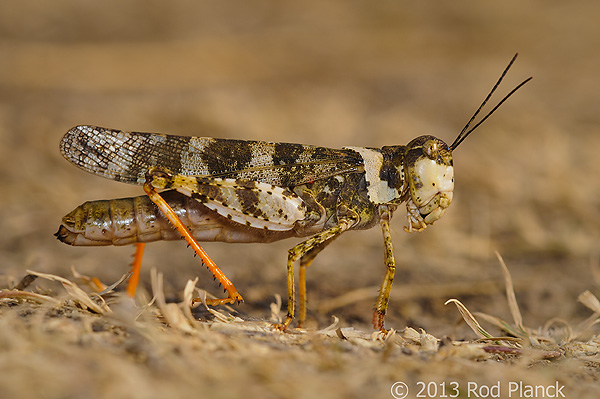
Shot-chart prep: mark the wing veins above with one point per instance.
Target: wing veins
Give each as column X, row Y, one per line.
column 126, row 157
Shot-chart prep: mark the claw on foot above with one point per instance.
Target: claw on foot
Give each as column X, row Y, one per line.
column 283, row 326
column 235, row 298
column 379, row 321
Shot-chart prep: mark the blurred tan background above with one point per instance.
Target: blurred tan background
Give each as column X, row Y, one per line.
column 331, row 74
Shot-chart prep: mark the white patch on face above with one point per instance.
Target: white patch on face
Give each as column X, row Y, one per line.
column 435, row 178
column 378, row 190
column 429, row 202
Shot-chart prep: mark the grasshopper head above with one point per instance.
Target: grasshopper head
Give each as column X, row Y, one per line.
column 429, row 173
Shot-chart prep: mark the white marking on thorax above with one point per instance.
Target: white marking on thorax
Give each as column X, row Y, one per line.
column 378, row 190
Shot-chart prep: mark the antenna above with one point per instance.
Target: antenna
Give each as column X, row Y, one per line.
column 466, row 131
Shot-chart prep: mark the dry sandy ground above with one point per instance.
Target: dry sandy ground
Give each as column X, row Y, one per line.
column 325, row 73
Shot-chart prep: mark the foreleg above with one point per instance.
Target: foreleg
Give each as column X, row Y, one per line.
column 386, row 286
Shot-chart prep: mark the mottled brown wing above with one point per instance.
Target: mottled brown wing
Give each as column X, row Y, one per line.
column 127, row 156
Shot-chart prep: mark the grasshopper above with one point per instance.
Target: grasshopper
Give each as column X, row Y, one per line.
column 210, row 189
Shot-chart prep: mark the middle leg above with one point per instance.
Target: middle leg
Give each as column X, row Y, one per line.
column 318, row 241
column 305, row 261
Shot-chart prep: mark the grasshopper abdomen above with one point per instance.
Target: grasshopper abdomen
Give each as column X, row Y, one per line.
column 133, row 220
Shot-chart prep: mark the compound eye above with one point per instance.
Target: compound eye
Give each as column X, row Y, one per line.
column 431, row 149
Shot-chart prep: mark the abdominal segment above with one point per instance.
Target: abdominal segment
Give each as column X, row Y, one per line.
column 132, row 220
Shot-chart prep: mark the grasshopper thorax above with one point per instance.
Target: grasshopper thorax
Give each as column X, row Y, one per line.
column 420, row 174
column 429, row 181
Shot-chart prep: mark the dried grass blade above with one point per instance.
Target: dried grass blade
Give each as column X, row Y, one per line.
column 25, row 282
column 501, row 324
column 510, row 295
column 275, row 308
column 188, row 298
column 33, row 296
column 76, row 293
column 589, row 300
column 170, row 311
column 469, row 319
